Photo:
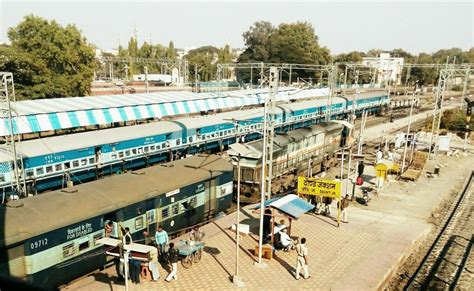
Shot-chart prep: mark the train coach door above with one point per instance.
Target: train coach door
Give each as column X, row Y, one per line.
column 210, row 204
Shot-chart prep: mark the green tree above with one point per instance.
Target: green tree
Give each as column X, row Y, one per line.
column 171, row 52
column 351, row 57
column 202, row 63
column 225, row 55
column 288, row 43
column 32, row 78
column 61, row 54
column 258, row 42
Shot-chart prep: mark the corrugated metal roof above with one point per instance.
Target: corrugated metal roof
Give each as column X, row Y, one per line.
column 290, row 204
column 66, row 113
column 53, row 210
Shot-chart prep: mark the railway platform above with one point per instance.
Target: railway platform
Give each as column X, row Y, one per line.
column 360, row 255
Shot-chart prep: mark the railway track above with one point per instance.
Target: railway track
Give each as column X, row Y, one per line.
column 448, row 263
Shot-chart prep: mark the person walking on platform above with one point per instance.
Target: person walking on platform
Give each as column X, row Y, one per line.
column 173, row 255
column 161, row 239
column 344, row 206
column 302, row 260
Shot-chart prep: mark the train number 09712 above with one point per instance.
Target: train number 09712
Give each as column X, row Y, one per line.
column 39, row 243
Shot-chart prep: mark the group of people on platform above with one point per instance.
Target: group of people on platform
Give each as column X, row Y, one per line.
column 166, row 253
column 283, row 241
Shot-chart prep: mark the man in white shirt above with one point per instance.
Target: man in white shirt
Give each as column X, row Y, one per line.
column 302, row 260
column 286, row 241
column 379, row 156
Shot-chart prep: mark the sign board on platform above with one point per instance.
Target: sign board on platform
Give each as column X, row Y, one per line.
column 443, row 143
column 320, row 187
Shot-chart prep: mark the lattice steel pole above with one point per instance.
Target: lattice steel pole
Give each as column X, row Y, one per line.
column 7, row 113
column 332, row 71
column 267, row 152
column 444, row 76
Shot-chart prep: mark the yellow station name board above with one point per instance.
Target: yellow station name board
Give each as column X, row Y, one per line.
column 320, row 187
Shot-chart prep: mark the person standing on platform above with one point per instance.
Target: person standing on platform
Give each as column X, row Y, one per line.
column 302, row 260
column 134, row 266
column 196, row 234
column 127, row 236
column 173, row 255
column 360, row 169
column 153, row 266
column 344, row 206
column 161, row 238
column 379, row 156
column 267, row 223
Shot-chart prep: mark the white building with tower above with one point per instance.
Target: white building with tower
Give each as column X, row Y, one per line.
column 387, row 68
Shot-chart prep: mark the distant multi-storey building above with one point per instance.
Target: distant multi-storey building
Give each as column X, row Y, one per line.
column 387, row 68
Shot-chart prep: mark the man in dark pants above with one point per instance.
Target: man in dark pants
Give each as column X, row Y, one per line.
column 267, row 219
column 360, row 168
column 134, row 266
column 173, row 255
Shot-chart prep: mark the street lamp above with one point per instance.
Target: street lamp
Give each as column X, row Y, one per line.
column 236, row 279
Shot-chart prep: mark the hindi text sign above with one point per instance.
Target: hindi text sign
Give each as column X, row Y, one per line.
column 320, row 187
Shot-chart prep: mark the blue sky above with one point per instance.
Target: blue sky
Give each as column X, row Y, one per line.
column 341, row 26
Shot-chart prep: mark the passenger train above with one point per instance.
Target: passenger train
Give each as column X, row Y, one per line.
column 51, row 162
column 49, row 244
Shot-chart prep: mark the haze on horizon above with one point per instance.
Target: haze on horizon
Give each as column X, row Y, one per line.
column 342, row 27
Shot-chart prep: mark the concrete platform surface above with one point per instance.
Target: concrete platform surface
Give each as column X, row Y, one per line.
column 359, row 255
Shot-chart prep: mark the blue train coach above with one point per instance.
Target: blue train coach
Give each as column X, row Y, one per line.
column 51, row 239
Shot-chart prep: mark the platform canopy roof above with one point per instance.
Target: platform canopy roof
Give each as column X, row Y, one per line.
column 290, row 204
column 65, row 113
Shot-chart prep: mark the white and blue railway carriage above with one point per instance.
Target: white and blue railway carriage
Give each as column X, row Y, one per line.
column 50, row 239
column 84, row 156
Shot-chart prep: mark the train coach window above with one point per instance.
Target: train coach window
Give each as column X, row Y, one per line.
column 190, row 139
column 192, row 202
column 178, row 141
column 49, row 169
column 2, row 178
column 97, row 237
column 165, row 212
column 83, row 162
column 39, row 171
column 140, row 150
column 58, row 167
column 29, row 173
column 68, row 250
column 138, row 223
column 91, row 161
column 134, row 151
column 67, row 165
column 127, row 153
column 120, row 154
column 175, row 209
column 145, row 149
column 84, row 245
column 75, row 164
column 113, row 156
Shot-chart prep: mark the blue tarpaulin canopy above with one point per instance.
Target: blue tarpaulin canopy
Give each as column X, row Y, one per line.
column 291, row 205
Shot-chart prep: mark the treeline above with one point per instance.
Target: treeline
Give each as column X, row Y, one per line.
column 49, row 60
